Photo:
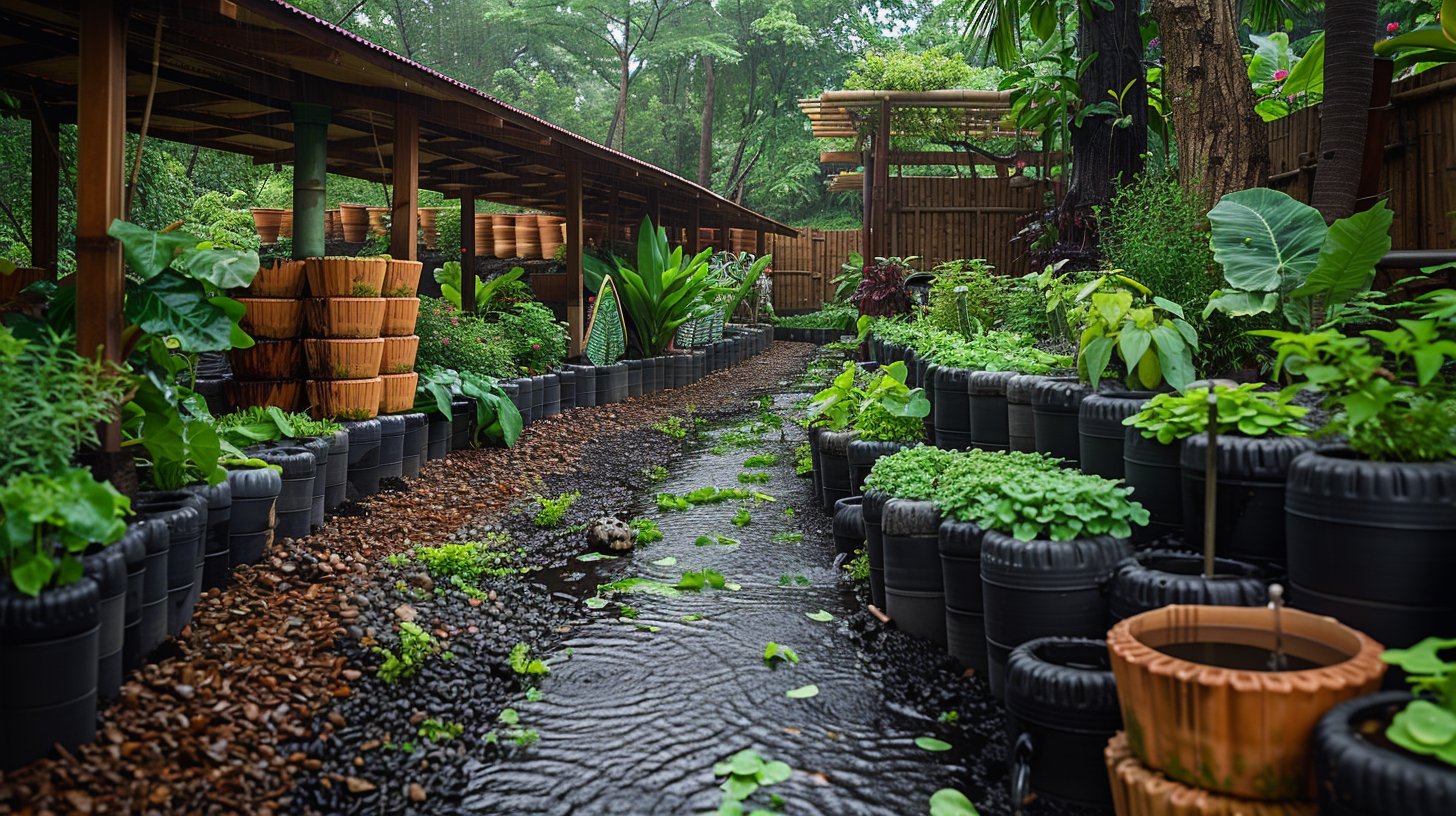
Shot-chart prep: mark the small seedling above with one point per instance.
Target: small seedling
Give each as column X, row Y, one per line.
column 803, row 459
column 672, row 426
column 523, row 663
column 645, row 530
column 534, row 695
column 439, row 731
column 415, row 647
column 552, row 510
column 628, row 611
column 742, row 518
column 774, row 653
column 397, row 560
column 793, row 580
column 949, row 717
column 656, row 473
column 755, row 478
column 858, row 567
column 744, row 773
column 695, row 580
column 761, row 460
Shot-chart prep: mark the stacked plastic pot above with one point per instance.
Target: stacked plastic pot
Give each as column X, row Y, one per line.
column 344, row 351
column 270, row 372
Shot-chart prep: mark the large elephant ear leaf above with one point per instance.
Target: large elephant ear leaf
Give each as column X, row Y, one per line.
column 170, row 304
column 1264, row 240
column 223, row 268
column 1347, row 259
column 606, row 334
column 148, row 252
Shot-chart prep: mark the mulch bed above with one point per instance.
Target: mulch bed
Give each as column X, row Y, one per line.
column 215, row 725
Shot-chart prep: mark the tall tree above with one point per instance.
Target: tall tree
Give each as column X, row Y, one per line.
column 705, row 136
column 1349, row 73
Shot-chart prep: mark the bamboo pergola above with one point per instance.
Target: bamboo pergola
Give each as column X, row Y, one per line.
column 262, row 78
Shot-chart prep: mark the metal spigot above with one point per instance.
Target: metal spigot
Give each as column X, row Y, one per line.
column 1278, row 661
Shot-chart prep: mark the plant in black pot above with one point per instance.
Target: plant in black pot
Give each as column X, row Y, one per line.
column 1370, row 522
column 889, row 419
column 912, row 475
column 1152, row 456
column 831, row 413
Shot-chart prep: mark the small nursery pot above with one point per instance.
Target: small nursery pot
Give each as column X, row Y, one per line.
column 345, row 277
column 1223, row 725
column 401, row 278
column 400, row 316
column 398, row 394
column 285, row 394
column 399, row 354
column 343, row 359
column 272, row 318
column 49, row 648
column 283, row 279
column 1055, row 405
column 345, row 399
column 267, row 360
column 346, row 317
column 1101, row 434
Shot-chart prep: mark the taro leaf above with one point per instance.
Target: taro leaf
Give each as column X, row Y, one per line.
column 222, row 268
column 821, row 616
column 1347, row 259
column 803, row 692
column 1241, row 304
column 170, row 304
column 932, row 744
column 1308, row 75
column 951, row 802
column 235, row 311
column 1264, row 240
column 606, row 333
column 148, row 252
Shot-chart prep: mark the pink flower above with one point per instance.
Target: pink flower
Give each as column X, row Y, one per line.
column 1392, row 27
column 454, row 322
column 1020, row 164
column 535, row 345
column 1281, row 75
column 444, row 341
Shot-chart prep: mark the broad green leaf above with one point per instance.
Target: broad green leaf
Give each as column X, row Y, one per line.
column 170, row 304
column 1308, row 75
column 775, row 772
column 1242, row 304
column 595, row 602
column 1264, row 240
column 222, row 268
column 820, row 616
column 606, row 334
column 932, row 744
column 951, row 802
column 148, row 252
column 595, row 556
column 803, row 692
column 669, row 561
column 1174, row 356
column 1132, row 343
column 1095, row 356
column 1347, row 259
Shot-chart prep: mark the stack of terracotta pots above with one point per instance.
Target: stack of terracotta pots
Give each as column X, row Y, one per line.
column 551, row 228
column 402, row 308
column 429, row 229
column 378, row 220
column 503, row 235
column 354, row 222
column 345, row 315
column 269, row 372
column 528, row 237
column 484, row 234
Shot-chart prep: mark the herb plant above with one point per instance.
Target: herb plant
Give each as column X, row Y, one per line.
column 552, row 510
column 1427, row 725
column 910, row 473
column 744, row 774
column 48, row 520
column 415, row 647
column 1029, row 498
column 1243, row 410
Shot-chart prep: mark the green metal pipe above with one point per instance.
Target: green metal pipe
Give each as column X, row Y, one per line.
column 310, row 174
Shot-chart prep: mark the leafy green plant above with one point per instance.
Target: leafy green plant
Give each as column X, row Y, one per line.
column 911, row 473
column 694, row 580
column 832, row 316
column 891, row 412
column 497, row 419
column 742, row 518
column 793, row 580
column 1278, row 255
column 439, row 731
column 1029, row 498
column 415, row 648
column 47, row 520
column 655, row 473
column 522, row 662
column 645, row 530
column 448, row 276
column 710, row 540
column 1153, row 341
column 672, row 426
column 1427, row 725
column 552, row 510
column 858, row 567
column 257, row 423
column 1243, row 410
column 755, row 478
column 803, row 459
column 786, row 537
column 744, row 774
column 761, row 460
column 452, row 339
column 663, row 290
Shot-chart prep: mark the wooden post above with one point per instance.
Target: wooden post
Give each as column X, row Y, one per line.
column 760, row 244
column 467, row 251
column 45, row 193
column 695, row 230
column 404, row 223
column 867, row 248
column 575, row 325
column 101, row 139
column 882, row 184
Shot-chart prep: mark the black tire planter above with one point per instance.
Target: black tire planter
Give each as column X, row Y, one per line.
column 1155, row 474
column 416, row 435
column 986, row 409
column 185, row 515
column 586, row 385
column 659, row 374
column 319, row 449
column 862, row 454
column 1101, row 434
column 1357, row 776
column 153, row 629
column 1153, row 579
column 615, row 377
column 1250, row 504
column 1370, row 543
column 1035, row 589
column 679, row 367
column 834, row 459
column 914, row 369
column 927, row 433
column 872, row 507
column 294, row 509
column 520, row 397
column 634, row 378
column 848, row 525
column 215, row 543
column 1055, row 406
column 363, row 472
column 538, row 397
column 952, row 409
column 1020, row 423
column 255, row 495
column 48, row 646
column 336, row 475
column 462, row 417
column 550, row 395
column 914, row 584
column 816, row 472
column 566, row 383
column 439, row 440
column 1062, row 708
column 960, row 568
column 107, row 568
column 700, row 364
column 391, row 445
column 133, row 547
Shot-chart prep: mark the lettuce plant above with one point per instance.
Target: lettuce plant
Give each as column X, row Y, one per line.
column 1243, row 410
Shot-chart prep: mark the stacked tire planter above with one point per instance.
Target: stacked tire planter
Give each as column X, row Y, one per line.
column 345, row 316
column 861, row 455
column 1154, row 472
column 250, row 530
column 270, row 373
column 1101, row 434
column 48, row 646
column 363, row 471
column 834, row 458
column 1020, row 425
column 965, row 619
column 1249, row 511
column 1156, row 578
column 1055, row 407
column 914, row 586
column 987, row 410
column 1360, row 776
column 185, row 515
column 952, row 407
column 144, row 533
column 216, row 544
column 849, row 533
column 294, row 508
column 872, row 509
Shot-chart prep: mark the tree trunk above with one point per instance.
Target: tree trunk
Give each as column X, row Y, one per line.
column 1103, row 153
column 617, row 133
column 1223, row 146
column 705, row 138
column 1345, row 110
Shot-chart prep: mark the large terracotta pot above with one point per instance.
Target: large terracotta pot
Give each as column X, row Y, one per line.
column 402, row 278
column 331, row 226
column 262, row 393
column 429, row 232
column 503, row 235
column 282, row 279
column 343, row 359
column 378, row 220
column 285, row 225
column 549, row 228
column 345, row 276
column 351, row 400
column 266, row 221
column 272, row 318
column 400, row 315
column 399, row 354
column 267, row 360
column 528, row 238
column 1232, row 730
column 346, row 318
column 399, row 393
column 354, row 219
column 1138, row 790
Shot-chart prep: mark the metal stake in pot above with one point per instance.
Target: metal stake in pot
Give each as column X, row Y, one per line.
column 1278, row 661
column 1210, row 484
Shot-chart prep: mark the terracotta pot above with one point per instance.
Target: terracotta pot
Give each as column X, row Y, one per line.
column 528, row 238
column 378, row 220
column 399, row 354
column 402, row 278
column 331, row 224
column 351, row 400
column 266, row 221
column 285, row 225
column 262, row 393
column 268, row 360
column 399, row 316
column 399, row 393
column 1232, row 730
column 550, row 228
column 503, row 235
column 21, row 277
column 343, row 359
column 283, row 279
column 345, row 276
column 272, row 318
column 1137, row 790
column 345, row 318
column 429, row 232
column 354, row 221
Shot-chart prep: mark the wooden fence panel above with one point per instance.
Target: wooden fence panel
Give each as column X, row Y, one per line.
column 945, row 218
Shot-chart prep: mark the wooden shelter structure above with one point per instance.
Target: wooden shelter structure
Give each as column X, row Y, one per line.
column 937, row 218
column 262, row 78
